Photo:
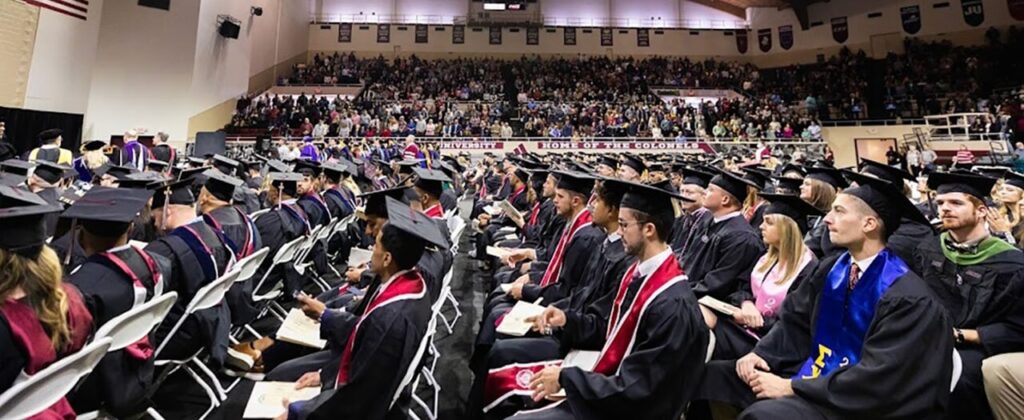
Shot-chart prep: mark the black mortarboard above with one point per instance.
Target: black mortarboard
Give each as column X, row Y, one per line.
column 334, row 171
column 991, row 171
column 733, row 184
column 971, row 184
column 196, row 161
column 608, row 161
column 49, row 171
column 537, row 179
column 634, row 162
column 47, row 135
column 120, row 171
column 277, row 166
column 885, row 199
column 225, row 164
column 307, row 168
column 414, row 223
column 791, row 167
column 522, row 174
column 792, row 206
column 829, row 176
column 656, row 167
column 11, row 180
column 649, row 199
column 883, row 171
column 1015, row 179
column 406, row 166
column 108, row 212
column 142, row 180
column 759, row 176
column 22, row 230
column 430, row 180
column 695, row 177
column 190, row 173
column 174, row 193
column 16, row 166
column 286, row 181
column 574, row 181
column 375, row 204
column 787, row 185
column 93, row 145
column 157, row 165
column 220, row 185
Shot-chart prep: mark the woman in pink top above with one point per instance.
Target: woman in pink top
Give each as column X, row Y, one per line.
column 781, row 269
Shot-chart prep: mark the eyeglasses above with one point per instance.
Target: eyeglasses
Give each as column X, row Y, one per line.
column 626, row 224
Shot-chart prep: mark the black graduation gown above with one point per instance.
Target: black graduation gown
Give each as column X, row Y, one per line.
column 693, row 239
column 574, row 262
column 237, row 231
column 62, row 246
column 163, row 152
column 549, row 225
column 681, row 227
column 277, row 227
column 758, row 218
column 723, row 257
column 819, row 242
column 907, row 238
column 448, row 199
column 52, row 197
column 120, row 383
column 314, row 211
column 905, row 366
column 385, row 345
column 988, row 297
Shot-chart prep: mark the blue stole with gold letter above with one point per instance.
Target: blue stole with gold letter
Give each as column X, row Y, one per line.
column 844, row 318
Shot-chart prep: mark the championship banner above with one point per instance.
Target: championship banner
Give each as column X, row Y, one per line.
column 383, row 33
column 911, row 18
column 532, row 35
column 840, row 29
column 459, row 34
column 741, row 41
column 606, row 37
column 643, row 37
column 495, row 36
column 421, row 34
column 1016, row 8
column 345, row 32
column 569, row 36
column 575, row 146
column 786, row 36
column 764, row 39
column 974, row 12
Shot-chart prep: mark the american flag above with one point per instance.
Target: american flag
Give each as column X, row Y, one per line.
column 74, row 8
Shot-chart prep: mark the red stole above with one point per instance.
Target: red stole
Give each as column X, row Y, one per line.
column 749, row 214
column 516, row 193
column 555, row 266
column 28, row 333
column 141, row 349
column 622, row 328
column 435, row 211
column 406, row 285
column 534, row 213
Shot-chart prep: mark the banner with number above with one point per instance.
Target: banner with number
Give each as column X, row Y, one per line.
column 643, row 37
column 840, row 29
column 764, row 39
column 606, row 37
column 569, row 36
column 458, row 34
column 974, row 12
column 532, row 35
column 421, row 34
column 741, row 41
column 911, row 18
column 383, row 33
column 786, row 36
column 495, row 36
column 345, row 32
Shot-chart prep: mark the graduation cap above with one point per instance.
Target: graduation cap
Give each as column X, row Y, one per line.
column 277, row 166
column 634, row 162
column 991, row 171
column 656, row 167
column 574, row 181
column 406, row 166
column 49, row 171
column 792, row 206
column 22, row 228
column 432, row 181
column 174, row 193
column 454, row 163
column 696, row 177
column 759, row 176
column 157, row 165
column 108, row 212
column 414, row 223
column 334, row 172
column 376, row 205
column 11, row 180
column 196, row 161
column 286, row 182
column 225, row 164
column 883, row 171
column 785, row 184
column 93, row 145
column 885, row 199
column 1015, row 179
column 221, row 185
column 650, row 199
column 308, row 168
column 16, row 166
column 829, row 176
column 792, row 167
column 522, row 173
column 142, row 180
column 733, row 184
column 537, row 179
column 119, row 172
column 190, row 173
column 977, row 185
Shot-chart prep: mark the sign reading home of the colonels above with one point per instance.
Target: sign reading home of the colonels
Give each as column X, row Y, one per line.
column 911, row 17
column 495, row 36
column 786, row 36
column 974, row 12
column 1016, row 8
column 532, row 35
column 569, row 36
column 345, row 32
column 383, row 33
column 764, row 39
column 606, row 37
column 840, row 29
column 741, row 41
column 643, row 37
column 459, row 34
column 689, row 147
column 421, row 34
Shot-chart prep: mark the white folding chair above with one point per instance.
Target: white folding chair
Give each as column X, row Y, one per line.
column 43, row 389
column 247, row 266
column 711, row 346
column 284, row 254
column 415, row 372
column 447, row 296
column 207, row 297
column 958, row 369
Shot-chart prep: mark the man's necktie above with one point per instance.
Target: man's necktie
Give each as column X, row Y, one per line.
column 854, row 276
column 631, row 290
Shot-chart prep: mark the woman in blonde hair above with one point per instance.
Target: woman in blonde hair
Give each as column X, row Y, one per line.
column 782, row 268
column 41, row 318
column 92, row 158
column 1007, row 220
column 819, row 188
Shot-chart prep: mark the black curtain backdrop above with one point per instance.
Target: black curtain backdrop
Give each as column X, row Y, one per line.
column 24, row 125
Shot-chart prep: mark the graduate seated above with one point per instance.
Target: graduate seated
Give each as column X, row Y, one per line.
column 42, row 319
column 894, row 359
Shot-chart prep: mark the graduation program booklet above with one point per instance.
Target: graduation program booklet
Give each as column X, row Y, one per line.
column 301, row 329
column 514, row 323
column 359, row 256
column 267, row 399
column 492, row 210
column 511, row 211
column 718, row 306
column 498, row 252
column 583, row 359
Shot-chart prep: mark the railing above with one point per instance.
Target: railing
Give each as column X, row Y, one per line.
column 547, row 21
column 884, row 122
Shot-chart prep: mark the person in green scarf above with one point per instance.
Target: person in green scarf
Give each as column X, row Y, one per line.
column 979, row 278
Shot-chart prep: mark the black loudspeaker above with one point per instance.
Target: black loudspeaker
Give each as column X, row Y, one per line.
column 229, row 29
column 209, row 143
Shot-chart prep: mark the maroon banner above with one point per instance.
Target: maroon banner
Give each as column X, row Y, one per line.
column 1016, row 8
column 741, row 41
column 690, row 147
column 764, row 39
